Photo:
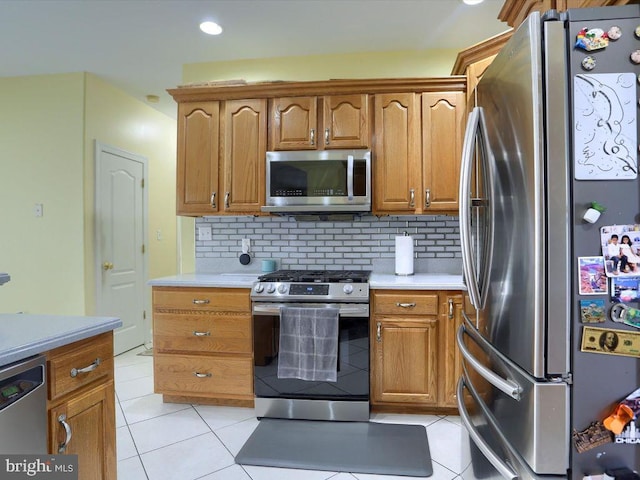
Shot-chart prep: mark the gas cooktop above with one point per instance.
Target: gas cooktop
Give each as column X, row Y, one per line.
column 317, row 276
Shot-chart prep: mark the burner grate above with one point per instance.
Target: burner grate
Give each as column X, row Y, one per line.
column 317, row 276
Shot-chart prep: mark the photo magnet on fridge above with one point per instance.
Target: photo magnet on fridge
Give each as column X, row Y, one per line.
column 624, row 289
column 591, row 276
column 621, row 250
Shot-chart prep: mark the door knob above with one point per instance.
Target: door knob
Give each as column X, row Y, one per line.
column 107, row 266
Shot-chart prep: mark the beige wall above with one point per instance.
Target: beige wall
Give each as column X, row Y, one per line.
column 413, row 63
column 41, row 161
column 48, row 127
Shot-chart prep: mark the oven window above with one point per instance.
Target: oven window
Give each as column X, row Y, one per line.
column 322, row 178
column 353, row 364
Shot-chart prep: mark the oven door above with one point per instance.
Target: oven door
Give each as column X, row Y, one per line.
column 345, row 399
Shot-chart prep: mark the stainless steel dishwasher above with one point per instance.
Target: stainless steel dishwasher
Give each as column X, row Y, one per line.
column 23, row 407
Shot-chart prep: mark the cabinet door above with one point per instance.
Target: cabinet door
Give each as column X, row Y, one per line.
column 442, row 136
column 244, row 152
column 450, row 358
column 345, row 121
column 294, row 123
column 198, row 158
column 404, row 360
column 90, row 418
column 397, row 171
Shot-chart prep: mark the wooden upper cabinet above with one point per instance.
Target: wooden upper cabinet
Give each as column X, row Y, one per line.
column 514, row 12
column 346, row 121
column 197, row 157
column 294, row 123
column 297, row 125
column 244, row 147
column 397, row 173
column 443, row 124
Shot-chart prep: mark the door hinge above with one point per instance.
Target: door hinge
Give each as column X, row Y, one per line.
column 143, row 248
column 142, row 183
column 144, row 314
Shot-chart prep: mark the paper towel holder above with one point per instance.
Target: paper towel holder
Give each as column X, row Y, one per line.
column 410, row 270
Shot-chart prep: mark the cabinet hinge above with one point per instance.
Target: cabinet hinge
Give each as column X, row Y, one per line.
column 143, row 249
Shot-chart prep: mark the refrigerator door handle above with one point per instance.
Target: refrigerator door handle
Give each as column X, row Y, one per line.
column 505, row 385
column 468, row 149
column 503, row 468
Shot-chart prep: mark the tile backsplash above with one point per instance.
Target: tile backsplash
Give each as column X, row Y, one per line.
column 366, row 242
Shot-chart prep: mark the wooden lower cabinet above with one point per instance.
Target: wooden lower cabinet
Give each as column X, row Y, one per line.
column 415, row 363
column 91, row 419
column 203, row 345
column 81, row 405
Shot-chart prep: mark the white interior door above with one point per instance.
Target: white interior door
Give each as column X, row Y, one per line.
column 120, row 242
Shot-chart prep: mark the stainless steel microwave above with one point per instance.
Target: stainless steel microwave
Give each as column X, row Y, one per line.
column 324, row 181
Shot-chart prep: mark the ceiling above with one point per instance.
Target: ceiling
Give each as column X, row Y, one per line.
column 141, row 45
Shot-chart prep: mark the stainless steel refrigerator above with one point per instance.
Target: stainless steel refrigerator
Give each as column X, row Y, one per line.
column 553, row 136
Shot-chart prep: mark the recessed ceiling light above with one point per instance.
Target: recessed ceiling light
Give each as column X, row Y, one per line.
column 472, row 2
column 212, row 28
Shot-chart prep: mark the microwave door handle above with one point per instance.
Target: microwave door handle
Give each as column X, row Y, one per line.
column 350, row 177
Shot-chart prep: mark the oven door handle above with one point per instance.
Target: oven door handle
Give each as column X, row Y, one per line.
column 346, row 309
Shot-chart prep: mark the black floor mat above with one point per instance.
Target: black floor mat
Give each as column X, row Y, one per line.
column 356, row 447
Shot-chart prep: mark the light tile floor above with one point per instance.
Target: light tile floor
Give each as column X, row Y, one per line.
column 158, row 441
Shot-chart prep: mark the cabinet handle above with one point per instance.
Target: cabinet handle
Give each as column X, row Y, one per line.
column 202, row 334
column 313, row 136
column 379, row 332
column 203, row 375
column 412, row 198
column 213, row 200
column 427, row 198
column 326, row 136
column 406, row 305
column 226, row 199
column 200, row 302
column 89, row 368
column 450, row 308
column 62, row 420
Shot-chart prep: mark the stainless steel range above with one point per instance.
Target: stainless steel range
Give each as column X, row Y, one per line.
column 312, row 295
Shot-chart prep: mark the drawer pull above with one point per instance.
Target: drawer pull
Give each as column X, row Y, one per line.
column 200, row 302
column 202, row 334
column 203, row 375
column 89, row 368
column 62, row 420
column 406, row 305
column 451, row 308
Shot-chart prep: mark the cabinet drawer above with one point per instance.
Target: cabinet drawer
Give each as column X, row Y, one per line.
column 201, row 299
column 78, row 364
column 405, row 303
column 226, row 333
column 203, row 376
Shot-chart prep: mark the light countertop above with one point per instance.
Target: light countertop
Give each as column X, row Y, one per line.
column 418, row 281
column 25, row 335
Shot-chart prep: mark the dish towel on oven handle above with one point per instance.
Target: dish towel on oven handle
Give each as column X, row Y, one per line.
column 308, row 343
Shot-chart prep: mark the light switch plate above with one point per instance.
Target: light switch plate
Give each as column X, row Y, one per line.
column 204, row 233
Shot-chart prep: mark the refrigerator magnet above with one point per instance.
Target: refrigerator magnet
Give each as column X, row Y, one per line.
column 591, row 276
column 592, row 311
column 610, row 341
column 621, row 250
column 592, row 436
column 605, row 136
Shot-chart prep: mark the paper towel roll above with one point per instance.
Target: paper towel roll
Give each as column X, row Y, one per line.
column 404, row 255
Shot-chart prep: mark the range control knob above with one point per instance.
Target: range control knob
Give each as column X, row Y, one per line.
column 258, row 288
column 348, row 288
column 271, row 288
column 282, row 288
